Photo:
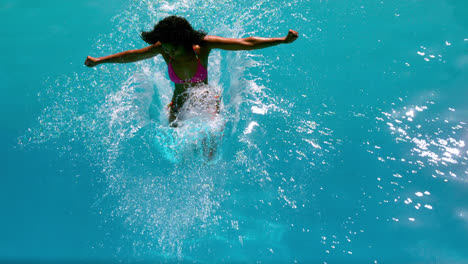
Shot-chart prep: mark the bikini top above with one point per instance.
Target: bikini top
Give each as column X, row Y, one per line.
column 199, row 76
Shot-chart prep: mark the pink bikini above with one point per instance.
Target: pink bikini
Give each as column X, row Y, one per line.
column 199, row 76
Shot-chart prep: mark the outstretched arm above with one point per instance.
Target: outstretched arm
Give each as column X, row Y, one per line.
column 126, row 56
column 250, row 43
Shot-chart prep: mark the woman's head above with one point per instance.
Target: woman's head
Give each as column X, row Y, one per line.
column 173, row 30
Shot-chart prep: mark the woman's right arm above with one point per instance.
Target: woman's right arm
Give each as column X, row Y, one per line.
column 126, row 56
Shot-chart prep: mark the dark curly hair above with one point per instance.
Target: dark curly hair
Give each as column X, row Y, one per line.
column 174, row 30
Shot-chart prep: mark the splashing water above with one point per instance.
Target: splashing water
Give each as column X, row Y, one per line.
column 166, row 190
column 297, row 166
column 199, row 127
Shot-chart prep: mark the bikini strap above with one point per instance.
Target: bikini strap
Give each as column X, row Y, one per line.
column 196, row 55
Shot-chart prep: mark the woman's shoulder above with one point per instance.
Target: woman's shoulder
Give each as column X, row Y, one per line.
column 210, row 42
column 201, row 49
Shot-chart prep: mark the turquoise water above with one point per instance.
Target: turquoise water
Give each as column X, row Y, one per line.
column 348, row 146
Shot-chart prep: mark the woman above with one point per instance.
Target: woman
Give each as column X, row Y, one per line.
column 186, row 52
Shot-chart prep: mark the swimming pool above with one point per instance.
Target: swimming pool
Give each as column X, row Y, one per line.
column 348, row 145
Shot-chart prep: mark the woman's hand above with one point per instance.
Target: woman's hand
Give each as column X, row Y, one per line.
column 91, row 62
column 291, row 37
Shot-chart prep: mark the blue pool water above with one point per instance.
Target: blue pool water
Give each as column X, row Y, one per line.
column 347, row 146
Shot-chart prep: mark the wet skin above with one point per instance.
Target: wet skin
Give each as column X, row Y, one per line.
column 183, row 59
column 185, row 65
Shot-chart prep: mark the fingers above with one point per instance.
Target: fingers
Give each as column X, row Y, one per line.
column 292, row 36
column 89, row 62
column 293, row 32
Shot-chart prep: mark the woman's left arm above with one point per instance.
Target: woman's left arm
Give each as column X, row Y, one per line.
column 250, row 43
